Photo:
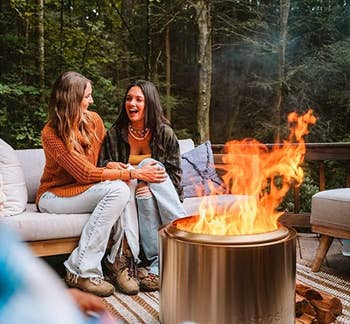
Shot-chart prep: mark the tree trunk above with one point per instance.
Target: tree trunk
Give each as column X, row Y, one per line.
column 203, row 9
column 41, row 47
column 232, row 116
column 167, row 72
column 61, row 32
column 126, row 13
column 148, row 42
column 284, row 12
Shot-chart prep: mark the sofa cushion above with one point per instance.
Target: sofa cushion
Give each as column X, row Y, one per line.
column 331, row 208
column 32, row 225
column 13, row 183
column 32, row 162
column 199, row 172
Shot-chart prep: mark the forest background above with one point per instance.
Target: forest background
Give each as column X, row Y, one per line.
column 226, row 69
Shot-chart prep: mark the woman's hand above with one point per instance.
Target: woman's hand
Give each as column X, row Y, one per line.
column 116, row 165
column 86, row 301
column 150, row 172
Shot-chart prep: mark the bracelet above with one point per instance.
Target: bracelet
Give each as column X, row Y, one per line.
column 126, row 176
column 131, row 174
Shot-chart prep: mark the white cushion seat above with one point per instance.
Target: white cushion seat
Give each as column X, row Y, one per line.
column 330, row 217
column 35, row 226
column 331, row 208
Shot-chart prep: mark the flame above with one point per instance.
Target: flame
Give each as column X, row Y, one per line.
column 261, row 177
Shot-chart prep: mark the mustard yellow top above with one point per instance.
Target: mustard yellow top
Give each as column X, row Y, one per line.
column 135, row 159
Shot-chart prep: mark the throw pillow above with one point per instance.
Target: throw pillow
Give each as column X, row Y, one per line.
column 13, row 184
column 199, row 173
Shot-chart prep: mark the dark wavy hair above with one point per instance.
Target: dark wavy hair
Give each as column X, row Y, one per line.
column 154, row 115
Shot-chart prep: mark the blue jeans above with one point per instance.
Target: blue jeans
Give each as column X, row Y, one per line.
column 108, row 202
column 159, row 208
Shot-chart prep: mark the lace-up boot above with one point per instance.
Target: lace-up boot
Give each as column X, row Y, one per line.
column 94, row 285
column 149, row 282
column 122, row 273
column 141, row 273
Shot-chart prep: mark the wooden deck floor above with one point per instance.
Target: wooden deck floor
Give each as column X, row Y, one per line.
column 307, row 244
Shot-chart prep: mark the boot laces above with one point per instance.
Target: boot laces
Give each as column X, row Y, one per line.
column 96, row 280
column 126, row 262
column 72, row 277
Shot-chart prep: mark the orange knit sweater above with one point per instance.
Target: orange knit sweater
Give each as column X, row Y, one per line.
column 70, row 173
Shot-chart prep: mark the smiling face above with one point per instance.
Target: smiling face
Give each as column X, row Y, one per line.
column 87, row 99
column 135, row 107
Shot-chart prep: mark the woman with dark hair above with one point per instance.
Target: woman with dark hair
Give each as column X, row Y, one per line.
column 71, row 183
column 142, row 136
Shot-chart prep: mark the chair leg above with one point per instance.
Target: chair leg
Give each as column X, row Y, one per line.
column 322, row 250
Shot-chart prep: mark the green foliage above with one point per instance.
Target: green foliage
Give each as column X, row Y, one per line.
column 113, row 42
column 21, row 118
column 8, row 90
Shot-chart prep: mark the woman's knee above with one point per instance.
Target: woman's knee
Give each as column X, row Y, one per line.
column 148, row 160
column 119, row 189
column 145, row 161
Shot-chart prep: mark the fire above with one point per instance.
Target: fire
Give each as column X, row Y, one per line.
column 262, row 176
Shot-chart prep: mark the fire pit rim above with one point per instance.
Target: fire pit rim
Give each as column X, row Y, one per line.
column 280, row 233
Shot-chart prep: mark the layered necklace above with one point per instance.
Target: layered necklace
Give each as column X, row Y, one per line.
column 138, row 134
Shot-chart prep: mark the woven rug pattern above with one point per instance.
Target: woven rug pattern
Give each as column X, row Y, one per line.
column 144, row 307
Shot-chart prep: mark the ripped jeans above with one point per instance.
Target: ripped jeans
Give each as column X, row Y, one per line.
column 109, row 205
column 159, row 206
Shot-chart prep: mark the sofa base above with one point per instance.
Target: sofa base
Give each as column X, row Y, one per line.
column 53, row 247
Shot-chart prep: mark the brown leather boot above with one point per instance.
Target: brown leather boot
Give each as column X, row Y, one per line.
column 122, row 273
column 96, row 286
column 150, row 282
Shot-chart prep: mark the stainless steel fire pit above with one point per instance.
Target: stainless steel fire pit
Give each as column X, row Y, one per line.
column 242, row 279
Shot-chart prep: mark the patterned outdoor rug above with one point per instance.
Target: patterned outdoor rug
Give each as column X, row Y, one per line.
column 144, row 307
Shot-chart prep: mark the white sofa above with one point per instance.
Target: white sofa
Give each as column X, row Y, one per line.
column 50, row 234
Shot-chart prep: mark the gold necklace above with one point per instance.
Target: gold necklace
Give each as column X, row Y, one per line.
column 138, row 134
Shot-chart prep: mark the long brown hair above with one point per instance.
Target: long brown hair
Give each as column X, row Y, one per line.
column 66, row 115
